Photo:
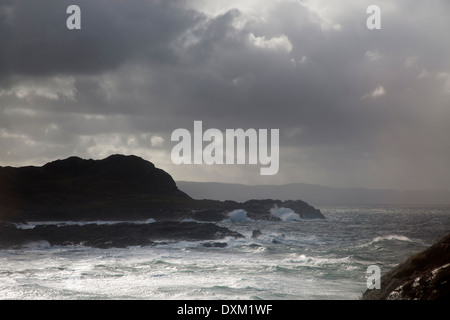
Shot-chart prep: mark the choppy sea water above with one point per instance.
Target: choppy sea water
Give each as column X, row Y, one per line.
column 292, row 259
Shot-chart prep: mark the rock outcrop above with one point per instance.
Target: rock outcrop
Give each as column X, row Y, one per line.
column 424, row 276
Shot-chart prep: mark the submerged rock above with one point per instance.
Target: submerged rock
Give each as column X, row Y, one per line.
column 256, row 234
column 424, row 276
column 215, row 244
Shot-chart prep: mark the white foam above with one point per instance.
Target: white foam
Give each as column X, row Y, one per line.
column 303, row 260
column 285, row 214
column 190, row 220
column 238, row 215
column 391, row 237
column 151, row 220
column 41, row 244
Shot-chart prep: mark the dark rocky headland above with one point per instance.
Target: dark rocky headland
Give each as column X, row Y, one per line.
column 118, row 188
column 423, row 276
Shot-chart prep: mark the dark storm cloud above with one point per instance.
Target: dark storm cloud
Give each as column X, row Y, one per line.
column 35, row 40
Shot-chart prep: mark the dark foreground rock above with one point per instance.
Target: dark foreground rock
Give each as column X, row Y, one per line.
column 113, row 235
column 424, row 276
column 116, row 188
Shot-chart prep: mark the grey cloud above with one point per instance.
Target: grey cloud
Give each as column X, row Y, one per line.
column 149, row 67
column 35, row 39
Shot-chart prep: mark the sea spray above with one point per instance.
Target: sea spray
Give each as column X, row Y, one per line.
column 314, row 259
column 238, row 216
column 285, row 214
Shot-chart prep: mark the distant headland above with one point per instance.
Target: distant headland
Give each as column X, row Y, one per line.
column 140, row 204
column 118, row 187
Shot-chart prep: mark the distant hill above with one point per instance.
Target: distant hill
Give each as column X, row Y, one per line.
column 313, row 194
column 76, row 187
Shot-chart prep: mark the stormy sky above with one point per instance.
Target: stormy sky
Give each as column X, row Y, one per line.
column 355, row 107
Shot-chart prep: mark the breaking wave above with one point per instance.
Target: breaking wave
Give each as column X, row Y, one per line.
column 238, row 216
column 285, row 214
column 391, row 237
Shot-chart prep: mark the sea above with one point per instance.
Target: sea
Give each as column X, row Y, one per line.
column 292, row 259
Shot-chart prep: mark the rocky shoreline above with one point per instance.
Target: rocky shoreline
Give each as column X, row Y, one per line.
column 424, row 276
column 119, row 188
